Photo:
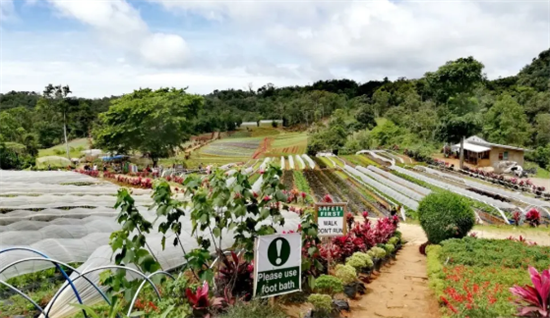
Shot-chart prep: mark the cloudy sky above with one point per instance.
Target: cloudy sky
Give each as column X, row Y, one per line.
column 110, row 47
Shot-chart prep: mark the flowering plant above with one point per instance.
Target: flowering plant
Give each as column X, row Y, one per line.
column 533, row 217
column 534, row 301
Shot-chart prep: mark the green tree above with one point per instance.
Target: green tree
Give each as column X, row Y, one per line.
column 151, row 122
column 453, row 78
column 381, row 100
column 506, row 123
column 365, row 117
column 542, row 129
column 57, row 95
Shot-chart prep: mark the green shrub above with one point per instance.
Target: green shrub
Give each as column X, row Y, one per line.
column 254, row 308
column 488, row 252
column 321, row 303
column 389, row 248
column 366, row 258
column 393, row 241
column 377, row 252
column 445, row 215
column 327, row 284
column 346, row 273
column 360, row 261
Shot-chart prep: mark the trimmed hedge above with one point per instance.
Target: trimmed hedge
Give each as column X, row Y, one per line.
column 445, row 215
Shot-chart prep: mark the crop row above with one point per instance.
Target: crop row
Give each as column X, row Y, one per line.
column 320, row 162
column 379, row 203
column 318, row 187
column 302, row 184
column 288, row 179
column 351, row 192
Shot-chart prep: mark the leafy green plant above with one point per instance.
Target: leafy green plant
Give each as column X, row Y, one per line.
column 346, row 273
column 445, row 215
column 366, row 257
column 129, row 248
column 360, row 261
column 377, row 252
column 254, row 308
column 302, row 185
column 115, row 311
column 394, row 241
column 321, row 303
column 389, row 248
column 327, row 284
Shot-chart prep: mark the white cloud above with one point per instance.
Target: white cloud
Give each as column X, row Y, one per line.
column 283, row 42
column 7, row 11
column 404, row 38
column 120, row 25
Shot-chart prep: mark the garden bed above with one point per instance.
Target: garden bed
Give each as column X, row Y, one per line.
column 472, row 277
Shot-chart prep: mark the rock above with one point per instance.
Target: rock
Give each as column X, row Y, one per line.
column 340, row 304
column 388, row 314
column 309, row 314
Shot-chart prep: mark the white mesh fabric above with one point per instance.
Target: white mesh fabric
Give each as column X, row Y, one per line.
column 300, row 162
column 171, row 257
column 27, row 237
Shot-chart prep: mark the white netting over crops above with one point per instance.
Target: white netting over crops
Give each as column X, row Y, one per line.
column 46, row 177
column 301, row 162
column 30, row 225
column 22, row 237
column 401, row 181
column 399, row 188
column 455, row 189
column 408, row 202
column 495, row 190
column 310, row 162
column 171, row 257
column 291, row 162
column 36, row 188
column 69, row 200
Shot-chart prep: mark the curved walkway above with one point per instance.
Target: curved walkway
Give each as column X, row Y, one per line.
column 400, row 291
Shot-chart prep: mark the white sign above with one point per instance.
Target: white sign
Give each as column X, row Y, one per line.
column 331, row 219
column 278, row 265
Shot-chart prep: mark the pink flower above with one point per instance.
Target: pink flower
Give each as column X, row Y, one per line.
column 266, row 198
column 303, row 194
column 327, row 199
column 262, row 171
column 254, row 194
column 365, row 214
column 537, row 298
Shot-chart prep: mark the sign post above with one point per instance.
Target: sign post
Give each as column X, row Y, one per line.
column 331, row 219
column 278, row 265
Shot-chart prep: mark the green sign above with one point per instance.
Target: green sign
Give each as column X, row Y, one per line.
column 331, row 211
column 278, row 260
column 330, row 219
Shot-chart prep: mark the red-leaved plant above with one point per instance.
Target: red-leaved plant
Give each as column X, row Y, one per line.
column 533, row 217
column 327, row 199
column 534, row 301
column 200, row 302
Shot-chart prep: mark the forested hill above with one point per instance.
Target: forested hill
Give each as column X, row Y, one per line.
column 447, row 103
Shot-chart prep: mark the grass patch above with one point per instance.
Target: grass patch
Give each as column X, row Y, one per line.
column 541, row 173
column 76, row 146
column 255, row 308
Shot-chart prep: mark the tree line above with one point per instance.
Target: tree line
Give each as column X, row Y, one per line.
column 341, row 115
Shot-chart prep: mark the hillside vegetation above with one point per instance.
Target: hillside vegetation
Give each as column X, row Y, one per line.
column 344, row 116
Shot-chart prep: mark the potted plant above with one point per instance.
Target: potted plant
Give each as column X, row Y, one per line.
column 348, row 275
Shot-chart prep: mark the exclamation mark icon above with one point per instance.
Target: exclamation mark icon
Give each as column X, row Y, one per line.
column 279, row 245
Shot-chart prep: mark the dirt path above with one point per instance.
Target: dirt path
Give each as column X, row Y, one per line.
column 400, row 291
